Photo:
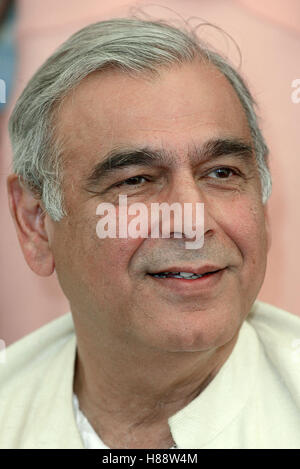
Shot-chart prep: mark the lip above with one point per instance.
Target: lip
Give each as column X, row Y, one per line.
column 196, row 270
column 185, row 287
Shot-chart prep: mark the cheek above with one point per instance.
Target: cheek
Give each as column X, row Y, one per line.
column 81, row 244
column 106, row 262
column 114, row 253
column 244, row 224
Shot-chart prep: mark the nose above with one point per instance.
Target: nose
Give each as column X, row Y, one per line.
column 185, row 189
column 190, row 216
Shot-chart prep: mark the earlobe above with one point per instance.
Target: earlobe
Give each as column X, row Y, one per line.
column 29, row 220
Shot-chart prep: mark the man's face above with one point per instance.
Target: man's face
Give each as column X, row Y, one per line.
column 108, row 281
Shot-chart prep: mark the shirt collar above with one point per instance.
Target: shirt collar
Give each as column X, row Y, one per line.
column 222, row 400
column 198, row 423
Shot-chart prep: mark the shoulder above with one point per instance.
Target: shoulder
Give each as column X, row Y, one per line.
column 274, row 324
column 36, row 386
column 39, row 346
column 279, row 334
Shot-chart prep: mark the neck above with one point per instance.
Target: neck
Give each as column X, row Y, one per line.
column 128, row 397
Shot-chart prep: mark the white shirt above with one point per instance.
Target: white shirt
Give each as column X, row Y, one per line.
column 90, row 438
column 253, row 401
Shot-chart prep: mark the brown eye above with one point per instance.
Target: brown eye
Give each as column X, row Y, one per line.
column 222, row 173
column 133, row 181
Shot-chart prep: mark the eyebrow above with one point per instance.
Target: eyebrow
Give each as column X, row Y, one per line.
column 120, row 158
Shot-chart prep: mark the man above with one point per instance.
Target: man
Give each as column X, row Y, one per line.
column 164, row 346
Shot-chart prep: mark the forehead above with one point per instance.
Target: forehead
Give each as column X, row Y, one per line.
column 183, row 106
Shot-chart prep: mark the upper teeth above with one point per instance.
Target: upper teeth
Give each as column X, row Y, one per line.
column 187, row 274
column 179, row 274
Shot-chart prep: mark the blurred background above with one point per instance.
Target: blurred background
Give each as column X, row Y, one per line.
column 268, row 34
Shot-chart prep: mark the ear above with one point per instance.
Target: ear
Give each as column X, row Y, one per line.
column 29, row 220
column 268, row 227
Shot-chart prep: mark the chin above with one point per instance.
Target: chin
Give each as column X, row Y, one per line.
column 199, row 331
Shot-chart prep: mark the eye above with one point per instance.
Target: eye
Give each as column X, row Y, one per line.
column 222, row 173
column 133, row 181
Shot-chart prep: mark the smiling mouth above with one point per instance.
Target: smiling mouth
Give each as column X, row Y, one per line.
column 183, row 275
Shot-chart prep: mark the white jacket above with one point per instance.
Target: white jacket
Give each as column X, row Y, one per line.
column 253, row 401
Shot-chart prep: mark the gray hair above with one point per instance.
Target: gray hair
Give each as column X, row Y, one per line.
column 130, row 45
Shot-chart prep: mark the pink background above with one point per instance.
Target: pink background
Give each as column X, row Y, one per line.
column 268, row 33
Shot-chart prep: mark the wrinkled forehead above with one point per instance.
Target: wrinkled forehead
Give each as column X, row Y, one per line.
column 180, row 107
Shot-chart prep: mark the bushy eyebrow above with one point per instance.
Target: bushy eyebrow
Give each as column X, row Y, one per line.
column 120, row 158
